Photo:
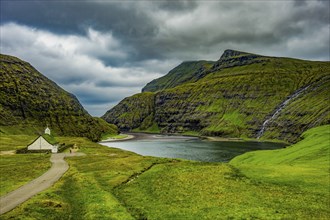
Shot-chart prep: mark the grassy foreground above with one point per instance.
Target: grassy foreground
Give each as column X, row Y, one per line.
column 305, row 165
column 17, row 170
column 114, row 184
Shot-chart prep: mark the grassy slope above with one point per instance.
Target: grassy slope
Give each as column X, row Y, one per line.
column 96, row 186
column 304, row 165
column 29, row 102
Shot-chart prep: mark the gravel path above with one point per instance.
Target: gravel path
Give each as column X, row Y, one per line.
column 15, row 198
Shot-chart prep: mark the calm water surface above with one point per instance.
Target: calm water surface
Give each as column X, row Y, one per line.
column 189, row 147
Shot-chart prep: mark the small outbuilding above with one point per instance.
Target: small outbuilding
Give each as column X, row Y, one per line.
column 47, row 131
column 42, row 144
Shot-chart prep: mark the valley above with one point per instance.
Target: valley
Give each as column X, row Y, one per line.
column 111, row 183
column 164, row 110
column 242, row 96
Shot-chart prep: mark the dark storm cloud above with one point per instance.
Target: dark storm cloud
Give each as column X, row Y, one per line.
column 73, row 17
column 176, row 6
column 103, row 51
column 257, row 25
column 149, row 28
column 70, row 16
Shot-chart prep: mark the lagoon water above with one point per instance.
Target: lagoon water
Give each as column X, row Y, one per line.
column 189, row 147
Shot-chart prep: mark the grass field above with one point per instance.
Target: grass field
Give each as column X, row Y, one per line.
column 305, row 165
column 109, row 183
column 14, row 142
column 18, row 169
column 85, row 191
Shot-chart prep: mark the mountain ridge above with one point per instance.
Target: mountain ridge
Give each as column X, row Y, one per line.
column 192, row 71
column 187, row 71
column 234, row 98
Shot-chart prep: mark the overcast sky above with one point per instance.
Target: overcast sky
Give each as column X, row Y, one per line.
column 103, row 51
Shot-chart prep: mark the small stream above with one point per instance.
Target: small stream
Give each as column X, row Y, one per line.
column 280, row 108
column 190, row 148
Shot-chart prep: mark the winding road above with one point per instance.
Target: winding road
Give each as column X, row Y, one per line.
column 15, row 198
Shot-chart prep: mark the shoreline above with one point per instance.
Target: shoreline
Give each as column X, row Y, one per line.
column 219, row 139
column 143, row 136
column 148, row 136
column 129, row 137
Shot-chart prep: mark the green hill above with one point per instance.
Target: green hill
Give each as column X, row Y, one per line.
column 241, row 95
column 29, row 102
column 190, row 71
column 304, row 165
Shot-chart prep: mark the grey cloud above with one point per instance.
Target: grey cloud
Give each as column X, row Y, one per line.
column 146, row 39
column 136, row 23
column 117, row 84
column 91, row 95
column 91, row 99
column 99, row 109
column 69, row 80
column 300, row 3
column 176, row 6
column 73, row 17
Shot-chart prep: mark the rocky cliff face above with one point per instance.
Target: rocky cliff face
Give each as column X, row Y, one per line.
column 235, row 97
column 231, row 58
column 29, row 101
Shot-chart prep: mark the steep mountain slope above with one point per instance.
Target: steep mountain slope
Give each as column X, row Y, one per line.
column 29, row 101
column 190, row 71
column 241, row 95
column 135, row 111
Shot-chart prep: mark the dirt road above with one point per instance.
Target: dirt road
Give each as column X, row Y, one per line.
column 15, row 198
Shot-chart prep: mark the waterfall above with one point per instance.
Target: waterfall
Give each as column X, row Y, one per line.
column 280, row 108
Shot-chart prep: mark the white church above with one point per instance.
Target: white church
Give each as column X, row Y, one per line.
column 42, row 144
